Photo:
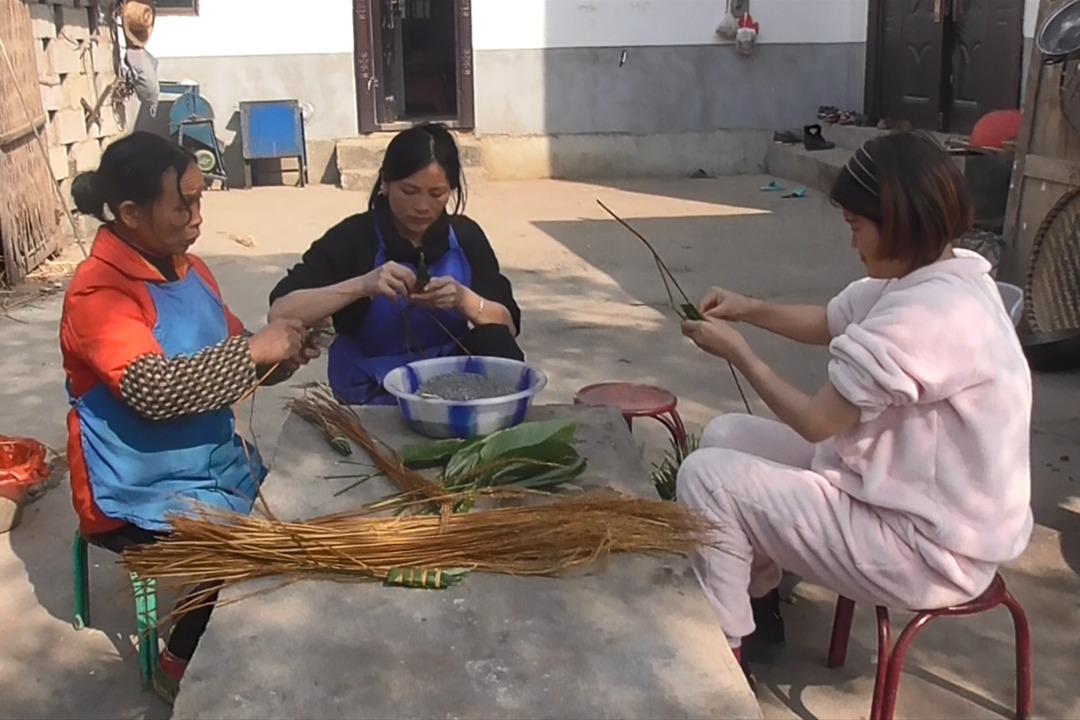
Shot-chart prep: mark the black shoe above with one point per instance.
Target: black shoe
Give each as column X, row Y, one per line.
column 786, row 137
column 825, row 111
column 768, row 620
column 814, row 140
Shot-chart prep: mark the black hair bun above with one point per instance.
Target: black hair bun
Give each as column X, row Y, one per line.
column 87, row 193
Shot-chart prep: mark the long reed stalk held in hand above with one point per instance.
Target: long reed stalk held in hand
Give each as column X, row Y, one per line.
column 687, row 310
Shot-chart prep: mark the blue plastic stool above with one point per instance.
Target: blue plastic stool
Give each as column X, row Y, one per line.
column 146, row 620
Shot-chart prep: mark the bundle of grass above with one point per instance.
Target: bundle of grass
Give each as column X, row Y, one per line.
column 532, row 540
column 666, row 472
column 340, row 423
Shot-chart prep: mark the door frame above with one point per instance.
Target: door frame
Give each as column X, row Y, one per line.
column 367, row 61
column 874, row 42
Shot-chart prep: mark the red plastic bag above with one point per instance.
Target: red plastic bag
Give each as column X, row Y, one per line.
column 23, row 466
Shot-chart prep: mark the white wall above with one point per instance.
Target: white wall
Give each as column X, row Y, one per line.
column 275, row 27
column 1031, row 12
column 531, row 24
column 257, row 27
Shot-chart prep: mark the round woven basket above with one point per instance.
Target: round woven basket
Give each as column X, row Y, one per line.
column 1053, row 281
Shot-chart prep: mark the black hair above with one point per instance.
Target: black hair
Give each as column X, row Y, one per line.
column 413, row 150
column 908, row 186
column 131, row 170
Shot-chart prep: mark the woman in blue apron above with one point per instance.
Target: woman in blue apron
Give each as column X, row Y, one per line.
column 154, row 362
column 406, row 280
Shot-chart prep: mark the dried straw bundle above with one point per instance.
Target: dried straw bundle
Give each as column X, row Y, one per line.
column 536, row 540
column 318, row 406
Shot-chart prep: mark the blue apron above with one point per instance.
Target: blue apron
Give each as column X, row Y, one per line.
column 142, row 471
column 395, row 333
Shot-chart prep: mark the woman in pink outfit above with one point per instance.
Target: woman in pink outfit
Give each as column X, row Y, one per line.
column 905, row 480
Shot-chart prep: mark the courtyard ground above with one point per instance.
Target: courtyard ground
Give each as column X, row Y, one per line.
column 594, row 310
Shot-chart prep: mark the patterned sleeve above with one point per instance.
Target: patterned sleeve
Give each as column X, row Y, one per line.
column 214, row 379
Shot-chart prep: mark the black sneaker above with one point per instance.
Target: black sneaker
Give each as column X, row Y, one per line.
column 814, row 140
column 768, row 620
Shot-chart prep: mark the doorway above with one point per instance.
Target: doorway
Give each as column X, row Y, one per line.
column 943, row 64
column 413, row 63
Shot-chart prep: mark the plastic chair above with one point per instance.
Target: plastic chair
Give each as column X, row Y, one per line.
column 635, row 401
column 890, row 664
column 146, row 620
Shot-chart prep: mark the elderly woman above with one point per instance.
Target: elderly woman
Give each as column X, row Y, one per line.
column 905, row 480
column 406, row 280
column 154, row 363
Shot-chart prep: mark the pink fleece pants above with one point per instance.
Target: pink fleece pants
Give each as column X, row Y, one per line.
column 752, row 479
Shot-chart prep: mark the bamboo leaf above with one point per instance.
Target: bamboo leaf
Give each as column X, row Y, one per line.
column 432, row 454
column 463, row 461
column 511, row 442
column 690, row 312
column 554, row 477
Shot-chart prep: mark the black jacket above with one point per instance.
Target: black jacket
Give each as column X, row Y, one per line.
column 348, row 250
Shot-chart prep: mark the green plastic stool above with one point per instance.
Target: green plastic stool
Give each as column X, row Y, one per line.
column 146, row 620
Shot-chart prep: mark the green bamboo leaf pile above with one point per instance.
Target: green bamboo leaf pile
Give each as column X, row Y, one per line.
column 531, row 456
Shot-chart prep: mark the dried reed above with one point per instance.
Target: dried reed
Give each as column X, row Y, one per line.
column 319, row 406
column 687, row 310
column 532, row 540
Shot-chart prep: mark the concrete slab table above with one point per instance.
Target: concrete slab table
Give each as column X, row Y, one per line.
column 631, row 638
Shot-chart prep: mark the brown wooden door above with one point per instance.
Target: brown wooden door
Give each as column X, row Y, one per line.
column 988, row 45
column 398, row 60
column 910, row 79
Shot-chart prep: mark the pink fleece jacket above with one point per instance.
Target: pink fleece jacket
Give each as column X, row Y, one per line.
column 934, row 365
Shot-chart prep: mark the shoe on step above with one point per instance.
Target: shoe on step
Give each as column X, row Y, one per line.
column 814, row 140
column 786, row 137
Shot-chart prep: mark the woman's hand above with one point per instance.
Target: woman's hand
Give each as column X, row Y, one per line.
column 717, row 337
column 442, row 293
column 723, row 304
column 279, row 342
column 389, row 280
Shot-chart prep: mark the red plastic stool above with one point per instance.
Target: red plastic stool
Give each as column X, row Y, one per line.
column 635, row 401
column 891, row 664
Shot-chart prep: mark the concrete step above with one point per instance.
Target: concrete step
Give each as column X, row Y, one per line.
column 853, row 137
column 360, row 158
column 817, row 170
